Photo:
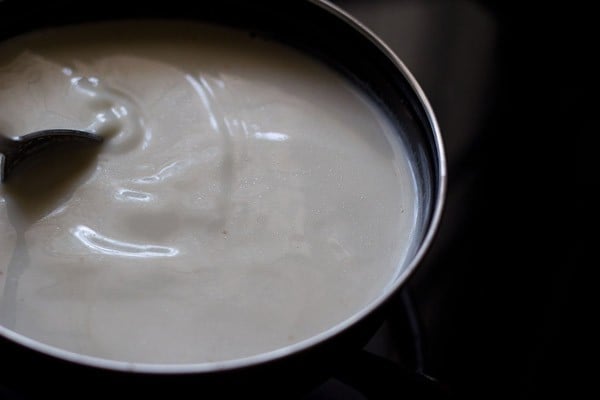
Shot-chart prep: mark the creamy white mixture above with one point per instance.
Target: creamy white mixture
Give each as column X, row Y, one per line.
column 246, row 197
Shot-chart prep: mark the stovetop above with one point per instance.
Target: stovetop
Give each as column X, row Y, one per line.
column 477, row 319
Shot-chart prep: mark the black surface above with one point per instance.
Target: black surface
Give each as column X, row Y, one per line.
column 488, row 312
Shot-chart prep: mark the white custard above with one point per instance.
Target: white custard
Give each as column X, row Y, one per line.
column 246, row 196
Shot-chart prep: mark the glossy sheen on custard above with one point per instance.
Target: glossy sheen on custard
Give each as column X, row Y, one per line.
column 246, row 197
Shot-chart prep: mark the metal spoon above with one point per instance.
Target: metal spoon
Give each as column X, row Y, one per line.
column 15, row 150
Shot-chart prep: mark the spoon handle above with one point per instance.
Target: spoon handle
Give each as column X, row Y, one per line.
column 7, row 148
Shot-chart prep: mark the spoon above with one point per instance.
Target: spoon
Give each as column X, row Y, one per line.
column 18, row 149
